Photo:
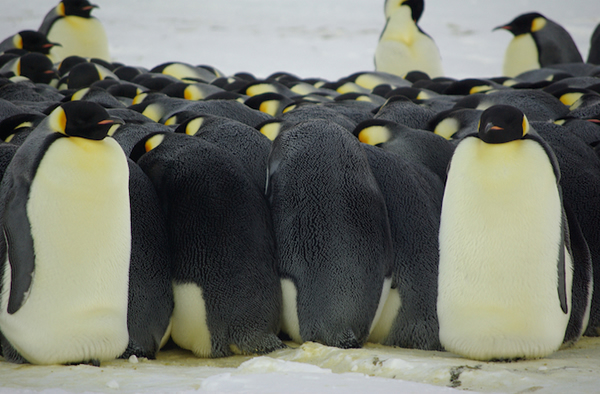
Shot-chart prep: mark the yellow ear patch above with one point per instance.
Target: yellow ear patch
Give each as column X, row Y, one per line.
column 271, row 130
column 58, row 120
column 9, row 138
column 192, row 93
column 153, row 142
column 78, row 95
column 269, row 107
column 569, row 98
column 139, row 98
column 525, row 125
column 60, row 9
column 538, row 24
column 446, row 128
column 374, row 135
column 193, row 126
column 260, row 88
column 479, row 89
column 18, row 41
column 171, row 121
column 289, row 108
column 153, row 111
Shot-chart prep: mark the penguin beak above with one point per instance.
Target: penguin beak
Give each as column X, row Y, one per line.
column 89, row 7
column 504, row 27
column 597, row 121
column 113, row 120
column 490, row 126
column 51, row 44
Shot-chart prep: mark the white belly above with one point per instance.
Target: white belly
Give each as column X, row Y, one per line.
column 188, row 323
column 78, row 37
column 80, row 222
column 499, row 244
column 521, row 55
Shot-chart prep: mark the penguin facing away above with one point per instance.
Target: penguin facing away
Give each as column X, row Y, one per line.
column 332, row 232
column 70, row 23
column 64, row 293
column 594, row 52
column 403, row 46
column 227, row 297
column 538, row 42
column 506, row 268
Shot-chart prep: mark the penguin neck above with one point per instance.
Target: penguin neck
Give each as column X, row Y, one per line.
column 400, row 26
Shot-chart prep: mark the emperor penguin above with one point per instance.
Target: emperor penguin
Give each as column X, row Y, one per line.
column 227, row 297
column 66, row 242
column 403, row 46
column 28, row 40
column 71, row 24
column 506, row 268
column 538, row 42
column 334, row 250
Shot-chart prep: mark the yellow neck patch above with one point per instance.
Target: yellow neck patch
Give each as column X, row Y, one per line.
column 446, row 128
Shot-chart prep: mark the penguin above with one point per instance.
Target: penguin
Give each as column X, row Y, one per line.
column 270, row 103
column 580, row 185
column 334, row 249
column 64, row 293
column 160, row 107
column 414, row 145
column 70, row 23
column 15, row 129
column 96, row 95
column 28, row 40
column 403, row 46
column 536, row 104
column 402, row 110
column 413, row 197
column 455, row 123
column 186, row 72
column 195, row 91
column 83, row 75
column 506, row 267
column 35, row 66
column 136, row 127
column 150, row 297
column 594, row 52
column 242, row 141
column 537, row 42
column 227, row 297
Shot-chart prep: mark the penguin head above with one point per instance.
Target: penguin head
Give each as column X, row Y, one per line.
column 191, row 126
column 83, row 119
column 35, row 66
column 525, row 23
column 33, row 41
column 416, row 7
column 81, row 8
column 146, row 144
column 502, row 123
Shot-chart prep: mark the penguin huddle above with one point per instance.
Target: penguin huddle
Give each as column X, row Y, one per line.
column 230, row 214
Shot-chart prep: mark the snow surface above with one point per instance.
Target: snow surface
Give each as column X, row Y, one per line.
column 310, row 38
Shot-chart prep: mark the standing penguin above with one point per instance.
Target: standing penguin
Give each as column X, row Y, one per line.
column 594, row 52
column 506, row 268
column 227, row 297
column 538, row 42
column 332, row 232
column 67, row 242
column 70, row 23
column 403, row 46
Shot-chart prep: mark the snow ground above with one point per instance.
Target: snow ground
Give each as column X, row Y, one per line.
column 310, row 38
column 313, row 368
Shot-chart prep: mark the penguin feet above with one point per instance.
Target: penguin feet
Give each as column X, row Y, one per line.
column 262, row 344
column 345, row 339
column 133, row 349
column 93, row 362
